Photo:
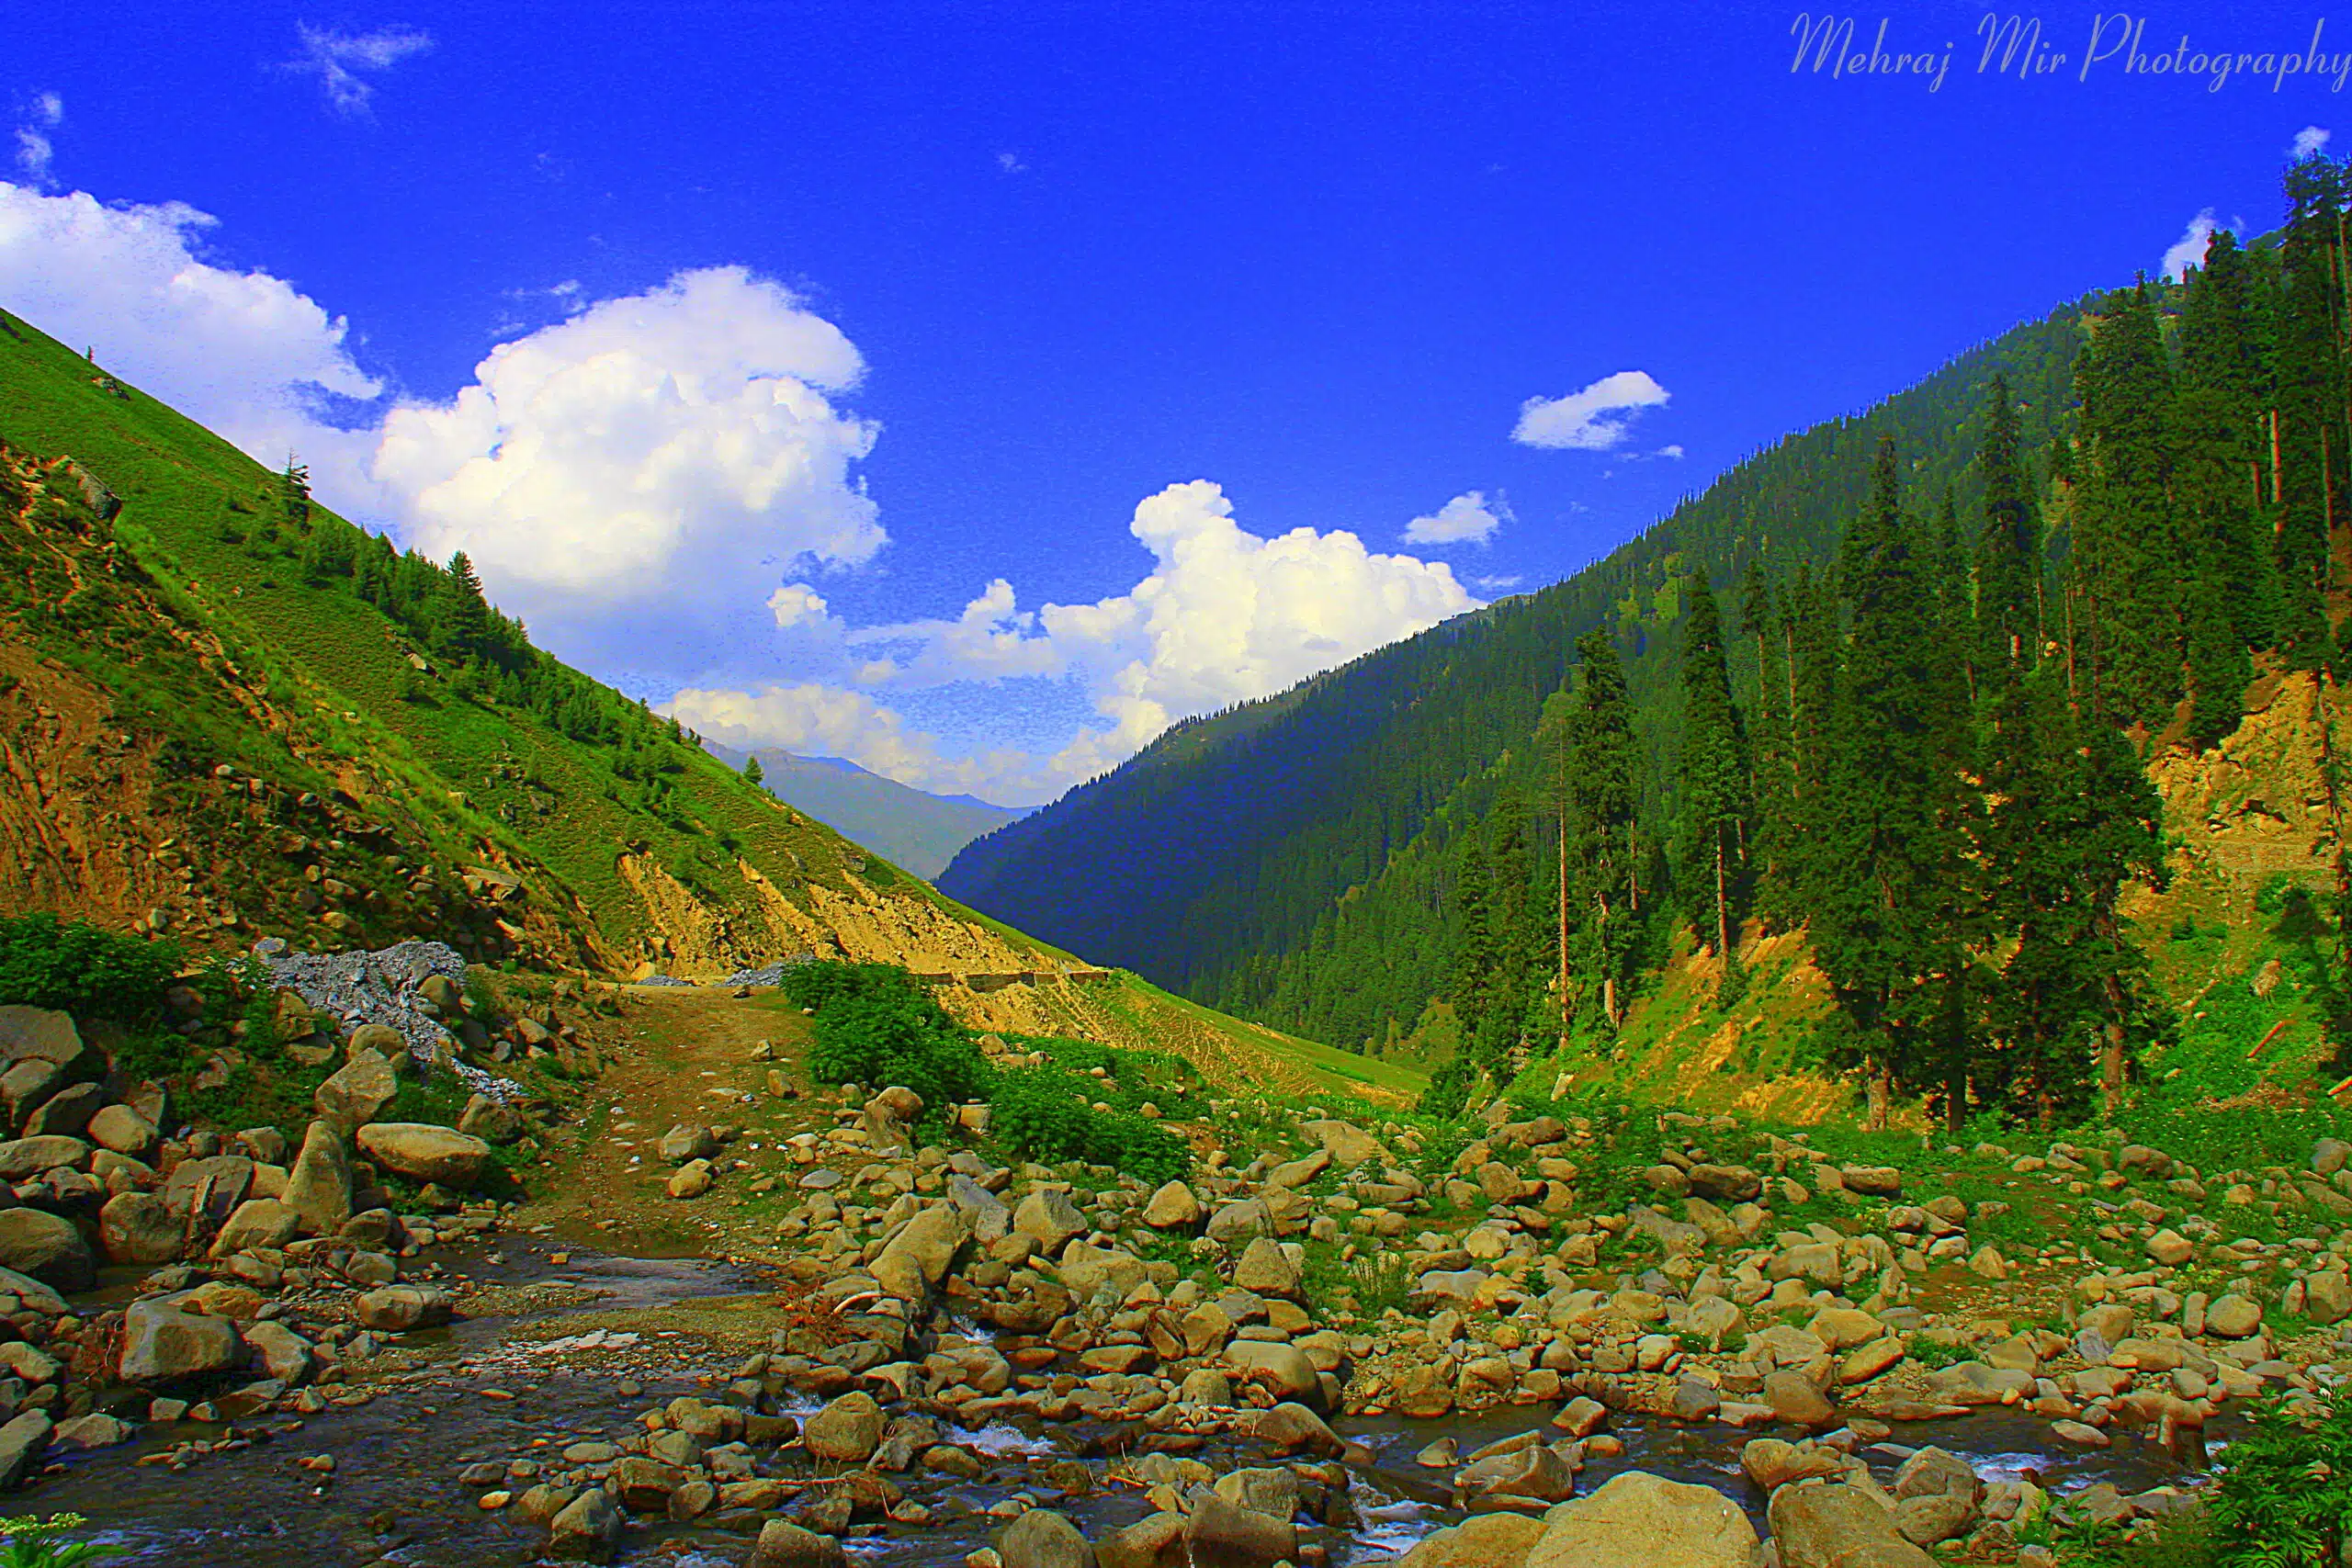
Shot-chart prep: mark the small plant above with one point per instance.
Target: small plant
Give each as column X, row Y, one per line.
column 74, row 967
column 35, row 1542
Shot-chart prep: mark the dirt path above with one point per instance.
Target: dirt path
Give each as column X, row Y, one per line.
column 687, row 1055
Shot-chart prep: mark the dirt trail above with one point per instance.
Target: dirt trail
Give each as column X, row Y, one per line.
column 688, row 1056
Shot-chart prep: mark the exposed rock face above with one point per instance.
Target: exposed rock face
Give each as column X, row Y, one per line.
column 425, row 1153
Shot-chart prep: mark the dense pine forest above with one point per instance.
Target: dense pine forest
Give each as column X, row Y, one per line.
column 1891, row 680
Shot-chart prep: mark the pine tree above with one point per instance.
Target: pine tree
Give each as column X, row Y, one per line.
column 1603, row 830
column 2306, row 418
column 465, row 614
column 2219, row 669
column 1889, row 888
column 1771, row 787
column 2218, row 458
column 2125, row 553
column 1714, row 785
column 752, row 772
column 2008, row 544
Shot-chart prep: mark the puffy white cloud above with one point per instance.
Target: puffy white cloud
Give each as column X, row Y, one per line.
column 643, row 467
column 242, row 353
column 1467, row 517
column 2189, row 249
column 796, row 606
column 1671, row 449
column 2309, row 140
column 1592, row 419
column 337, row 58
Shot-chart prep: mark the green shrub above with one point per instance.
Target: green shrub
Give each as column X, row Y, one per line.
column 1046, row 1114
column 35, row 1542
column 76, row 967
column 2284, row 1497
column 885, row 1035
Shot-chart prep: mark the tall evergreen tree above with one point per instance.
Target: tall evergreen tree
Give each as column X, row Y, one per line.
column 1712, row 848
column 2125, row 551
column 1604, row 832
column 1888, row 912
column 2307, row 431
column 2008, row 544
column 465, row 614
column 1770, row 788
column 2218, row 451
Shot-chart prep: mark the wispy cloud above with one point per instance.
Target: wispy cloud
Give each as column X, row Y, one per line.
column 36, row 154
column 336, row 59
column 1011, row 164
column 2189, row 249
column 2310, row 139
column 1592, row 419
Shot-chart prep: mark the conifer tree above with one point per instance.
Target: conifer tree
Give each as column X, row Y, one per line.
column 1714, row 785
column 1888, row 907
column 753, row 774
column 1603, row 831
column 2218, row 459
column 2125, row 554
column 1774, row 799
column 2008, row 544
column 2306, row 416
column 465, row 616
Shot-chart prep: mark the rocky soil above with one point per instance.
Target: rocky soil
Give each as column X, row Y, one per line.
column 1340, row 1337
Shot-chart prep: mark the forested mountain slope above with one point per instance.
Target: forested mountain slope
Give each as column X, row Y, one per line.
column 1292, row 859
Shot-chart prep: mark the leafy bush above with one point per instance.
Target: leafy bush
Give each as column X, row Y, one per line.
column 76, row 967
column 879, row 1029
column 1046, row 1113
column 2284, row 1499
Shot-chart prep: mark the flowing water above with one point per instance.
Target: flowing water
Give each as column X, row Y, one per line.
column 394, row 1495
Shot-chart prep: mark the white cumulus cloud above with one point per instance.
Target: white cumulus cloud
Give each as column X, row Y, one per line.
column 623, row 477
column 2309, row 140
column 336, row 59
column 1466, row 518
column 242, row 353
column 1591, row 420
column 796, row 605
column 818, row 719
column 2189, row 249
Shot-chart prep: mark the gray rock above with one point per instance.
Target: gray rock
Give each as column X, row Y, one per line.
column 1640, row 1521
column 284, row 1354
column 319, row 1187
column 259, row 1221
column 123, row 1129
column 782, row 1544
column 161, row 1343
column 1482, row 1540
column 135, row 1227
column 588, row 1531
column 22, row 1442
column 23, row 1157
column 1266, row 1269
column 46, row 1246
column 358, row 1092
column 917, row 1258
column 422, row 1151
column 983, row 1211
column 1172, row 1208
column 96, row 1430
column 1834, row 1525
column 398, row 1308
column 846, row 1431
column 1048, row 1218
column 687, row 1141
column 1238, row 1221
column 67, row 1112
column 30, row 1034
column 1285, row 1370
column 1220, row 1535
column 1043, row 1539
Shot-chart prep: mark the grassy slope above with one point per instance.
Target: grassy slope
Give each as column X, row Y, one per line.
column 462, row 782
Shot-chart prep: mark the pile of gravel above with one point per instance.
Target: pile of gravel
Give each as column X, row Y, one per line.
column 663, row 980
column 381, row 987
column 768, row 974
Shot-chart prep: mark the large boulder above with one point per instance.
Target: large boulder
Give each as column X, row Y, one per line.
column 1172, row 1208
column 67, row 1112
column 22, row 1442
column 1220, row 1534
column 1048, row 1218
column 161, row 1343
column 46, row 1246
column 123, row 1129
column 1043, row 1539
column 259, row 1221
column 358, row 1091
column 422, row 1151
column 398, row 1308
column 136, row 1228
column 319, row 1187
column 1285, row 1370
column 917, row 1258
column 891, row 1118
column 1482, row 1540
column 1266, row 1269
column 1348, row 1144
column 1640, row 1521
column 1834, row 1525
column 687, row 1141
column 22, row 1158
column 38, row 1034
column 783, row 1545
column 847, row 1431
column 587, row 1530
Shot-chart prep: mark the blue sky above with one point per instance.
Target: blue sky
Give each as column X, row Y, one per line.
column 972, row 390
